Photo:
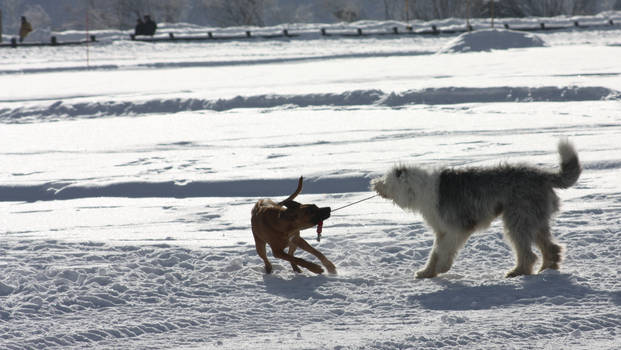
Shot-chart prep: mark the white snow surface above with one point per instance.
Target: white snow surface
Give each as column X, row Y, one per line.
column 126, row 188
column 492, row 39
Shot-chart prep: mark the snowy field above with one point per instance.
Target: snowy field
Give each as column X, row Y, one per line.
column 126, row 189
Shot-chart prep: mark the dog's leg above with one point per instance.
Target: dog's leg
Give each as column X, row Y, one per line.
column 292, row 248
column 280, row 254
column 430, row 269
column 550, row 251
column 521, row 239
column 525, row 261
column 260, row 245
column 307, row 247
column 443, row 253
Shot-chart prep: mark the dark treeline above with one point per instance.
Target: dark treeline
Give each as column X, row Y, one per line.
column 122, row 14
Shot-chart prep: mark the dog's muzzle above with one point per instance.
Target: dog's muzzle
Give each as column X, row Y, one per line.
column 378, row 186
column 323, row 214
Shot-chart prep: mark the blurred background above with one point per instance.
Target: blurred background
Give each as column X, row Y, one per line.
column 59, row 15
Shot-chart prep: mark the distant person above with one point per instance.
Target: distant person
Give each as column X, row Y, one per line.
column 24, row 29
column 139, row 29
column 149, row 26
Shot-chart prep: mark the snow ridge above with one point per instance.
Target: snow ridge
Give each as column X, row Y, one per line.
column 430, row 96
column 172, row 189
column 195, row 189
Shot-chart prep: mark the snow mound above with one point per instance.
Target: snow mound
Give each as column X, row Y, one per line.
column 492, row 39
column 61, row 110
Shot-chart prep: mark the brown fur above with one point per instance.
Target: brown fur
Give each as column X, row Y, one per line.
column 279, row 225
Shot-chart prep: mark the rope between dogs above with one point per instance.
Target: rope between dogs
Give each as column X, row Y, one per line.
column 350, row 204
column 320, row 224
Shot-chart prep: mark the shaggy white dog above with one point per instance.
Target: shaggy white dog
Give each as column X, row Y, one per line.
column 457, row 202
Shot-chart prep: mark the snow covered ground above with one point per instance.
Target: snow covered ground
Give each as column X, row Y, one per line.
column 126, row 189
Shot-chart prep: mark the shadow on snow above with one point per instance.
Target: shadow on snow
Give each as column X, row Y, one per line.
column 547, row 288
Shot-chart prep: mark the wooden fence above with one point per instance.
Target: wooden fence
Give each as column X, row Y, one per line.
column 359, row 32
column 285, row 34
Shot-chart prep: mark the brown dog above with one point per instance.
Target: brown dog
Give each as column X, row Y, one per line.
column 279, row 225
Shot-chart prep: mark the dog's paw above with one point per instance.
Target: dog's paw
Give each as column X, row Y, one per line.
column 516, row 273
column 268, row 269
column 331, row 268
column 425, row 274
column 315, row 268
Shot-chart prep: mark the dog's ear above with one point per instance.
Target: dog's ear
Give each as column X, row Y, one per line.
column 399, row 171
column 291, row 204
column 290, row 214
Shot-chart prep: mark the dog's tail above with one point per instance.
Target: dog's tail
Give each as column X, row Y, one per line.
column 570, row 166
column 294, row 194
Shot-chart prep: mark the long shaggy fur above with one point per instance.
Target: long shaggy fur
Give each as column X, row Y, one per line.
column 458, row 202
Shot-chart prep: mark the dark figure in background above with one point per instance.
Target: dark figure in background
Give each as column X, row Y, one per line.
column 149, row 25
column 139, row 29
column 24, row 29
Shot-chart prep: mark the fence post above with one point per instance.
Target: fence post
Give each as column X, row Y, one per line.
column 171, row 36
column 576, row 24
column 93, row 38
column 359, row 31
column 611, row 22
column 248, row 34
column 395, row 30
column 210, row 35
column 506, row 26
column 434, row 29
column 132, row 36
column 285, row 32
column 542, row 25
column 54, row 42
column 323, row 31
column 491, row 11
column 13, row 43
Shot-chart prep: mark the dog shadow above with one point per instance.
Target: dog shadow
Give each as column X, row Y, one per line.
column 556, row 288
column 302, row 287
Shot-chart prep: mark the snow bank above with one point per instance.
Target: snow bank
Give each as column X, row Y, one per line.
column 430, row 96
column 492, row 39
column 138, row 189
column 210, row 62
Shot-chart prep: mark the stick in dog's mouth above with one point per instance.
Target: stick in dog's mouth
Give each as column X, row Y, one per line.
column 324, row 214
column 319, row 229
